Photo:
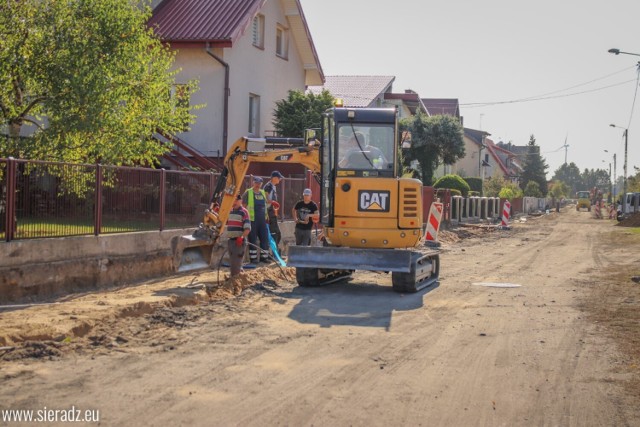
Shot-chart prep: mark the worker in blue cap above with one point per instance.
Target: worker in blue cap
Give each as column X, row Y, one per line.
column 273, row 205
column 255, row 200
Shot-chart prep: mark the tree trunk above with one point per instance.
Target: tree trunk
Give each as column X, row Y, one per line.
column 14, row 129
column 427, row 173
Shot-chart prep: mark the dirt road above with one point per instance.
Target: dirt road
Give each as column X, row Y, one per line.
column 545, row 352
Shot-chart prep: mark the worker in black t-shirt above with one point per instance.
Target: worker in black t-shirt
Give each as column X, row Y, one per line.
column 303, row 214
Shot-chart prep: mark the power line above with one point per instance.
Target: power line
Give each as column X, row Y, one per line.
column 634, row 96
column 545, row 96
column 542, row 98
column 581, row 84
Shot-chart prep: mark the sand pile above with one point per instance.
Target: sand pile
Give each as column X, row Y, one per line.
column 632, row 221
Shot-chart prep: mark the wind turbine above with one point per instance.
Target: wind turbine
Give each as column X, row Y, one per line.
column 565, row 146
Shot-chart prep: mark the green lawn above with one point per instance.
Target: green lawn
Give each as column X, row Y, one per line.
column 29, row 228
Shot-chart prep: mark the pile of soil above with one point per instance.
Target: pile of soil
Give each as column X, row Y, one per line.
column 233, row 286
column 632, row 221
column 33, row 350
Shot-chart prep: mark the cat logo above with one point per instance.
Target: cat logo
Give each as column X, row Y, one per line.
column 284, row 158
column 373, row 201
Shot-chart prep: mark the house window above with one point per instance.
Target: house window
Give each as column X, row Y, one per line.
column 254, row 114
column 282, row 42
column 258, row 31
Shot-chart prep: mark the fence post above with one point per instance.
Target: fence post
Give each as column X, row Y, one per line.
column 283, row 183
column 10, row 211
column 97, row 223
column 447, row 206
column 163, row 196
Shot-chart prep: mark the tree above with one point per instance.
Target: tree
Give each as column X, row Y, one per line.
column 300, row 111
column 596, row 178
column 434, row 140
column 532, row 189
column 535, row 167
column 633, row 182
column 88, row 80
column 559, row 189
column 493, row 185
column 570, row 175
column 510, row 191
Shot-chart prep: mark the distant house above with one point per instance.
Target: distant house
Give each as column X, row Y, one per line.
column 483, row 158
column 475, row 156
column 408, row 103
column 513, row 157
column 357, row 91
column 246, row 54
column 444, row 107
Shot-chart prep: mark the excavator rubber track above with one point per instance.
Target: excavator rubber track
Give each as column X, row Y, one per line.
column 309, row 277
column 411, row 270
column 425, row 271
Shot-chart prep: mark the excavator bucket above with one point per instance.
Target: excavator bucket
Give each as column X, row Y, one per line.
column 193, row 252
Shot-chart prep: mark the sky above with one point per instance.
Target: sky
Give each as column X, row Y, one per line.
column 490, row 53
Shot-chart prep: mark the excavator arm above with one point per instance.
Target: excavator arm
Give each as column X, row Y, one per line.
column 194, row 251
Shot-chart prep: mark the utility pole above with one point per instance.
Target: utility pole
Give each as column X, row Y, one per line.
column 615, row 178
column 617, row 51
column 624, row 179
column 611, row 198
column 624, row 168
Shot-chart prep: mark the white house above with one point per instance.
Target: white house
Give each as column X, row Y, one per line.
column 246, row 54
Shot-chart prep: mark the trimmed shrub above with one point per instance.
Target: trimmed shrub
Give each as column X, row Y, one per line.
column 453, row 182
column 475, row 184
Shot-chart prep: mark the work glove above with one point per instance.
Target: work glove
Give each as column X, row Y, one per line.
column 276, row 206
column 239, row 241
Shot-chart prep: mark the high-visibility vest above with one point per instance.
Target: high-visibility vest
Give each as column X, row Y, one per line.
column 250, row 204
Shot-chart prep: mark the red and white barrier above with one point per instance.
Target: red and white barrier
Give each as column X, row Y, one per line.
column 596, row 211
column 433, row 223
column 506, row 211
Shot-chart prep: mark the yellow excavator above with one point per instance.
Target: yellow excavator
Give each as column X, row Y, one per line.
column 371, row 217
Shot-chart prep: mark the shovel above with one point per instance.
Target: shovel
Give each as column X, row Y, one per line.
column 274, row 248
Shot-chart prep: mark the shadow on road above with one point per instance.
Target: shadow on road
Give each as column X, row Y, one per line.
column 354, row 304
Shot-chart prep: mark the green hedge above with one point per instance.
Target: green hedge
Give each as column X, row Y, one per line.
column 475, row 184
column 453, row 182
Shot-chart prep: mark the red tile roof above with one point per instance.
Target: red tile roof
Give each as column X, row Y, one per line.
column 214, row 21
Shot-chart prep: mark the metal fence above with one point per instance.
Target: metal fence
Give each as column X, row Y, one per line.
column 49, row 199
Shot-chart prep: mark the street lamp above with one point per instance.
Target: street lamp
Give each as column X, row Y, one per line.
column 624, row 180
column 618, row 52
